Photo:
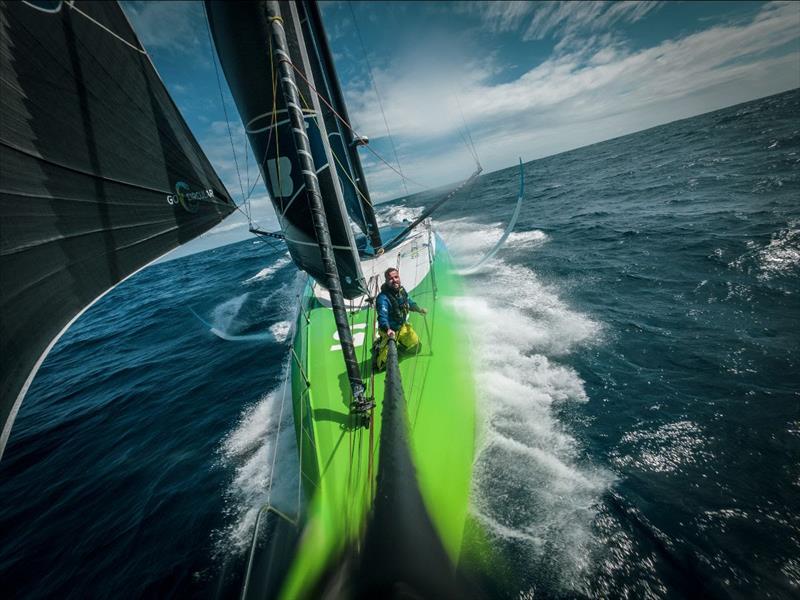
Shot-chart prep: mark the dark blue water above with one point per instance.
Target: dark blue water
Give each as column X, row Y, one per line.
column 636, row 344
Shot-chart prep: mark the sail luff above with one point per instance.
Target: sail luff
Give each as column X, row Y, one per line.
column 337, row 99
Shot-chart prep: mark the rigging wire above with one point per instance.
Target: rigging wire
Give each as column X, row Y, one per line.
column 247, row 167
column 251, row 188
column 224, row 108
column 89, row 17
column 377, row 94
column 471, row 144
column 345, row 123
column 344, row 169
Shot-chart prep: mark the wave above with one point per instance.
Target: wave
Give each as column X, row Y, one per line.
column 262, row 451
column 269, row 271
column 468, row 246
column 225, row 316
column 392, row 215
column 782, row 255
column 532, row 489
column 778, row 258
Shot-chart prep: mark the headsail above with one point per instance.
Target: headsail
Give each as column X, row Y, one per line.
column 100, row 174
column 242, row 37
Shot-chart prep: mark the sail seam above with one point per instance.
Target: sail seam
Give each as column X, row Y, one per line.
column 90, row 174
column 56, row 239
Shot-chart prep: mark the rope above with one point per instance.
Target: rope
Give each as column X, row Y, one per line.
column 377, row 95
column 344, row 169
column 96, row 22
column 345, row 123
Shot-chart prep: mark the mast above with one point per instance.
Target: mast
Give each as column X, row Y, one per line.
column 314, row 198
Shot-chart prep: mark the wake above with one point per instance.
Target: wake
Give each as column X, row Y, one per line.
column 532, row 492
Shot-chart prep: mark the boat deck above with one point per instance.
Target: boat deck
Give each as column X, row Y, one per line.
column 339, row 456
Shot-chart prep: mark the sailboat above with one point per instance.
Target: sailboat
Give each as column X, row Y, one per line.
column 97, row 190
column 413, row 451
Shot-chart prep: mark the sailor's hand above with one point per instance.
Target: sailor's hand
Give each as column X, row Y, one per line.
column 423, row 311
column 390, row 333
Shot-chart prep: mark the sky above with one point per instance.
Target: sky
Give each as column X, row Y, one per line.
column 523, row 79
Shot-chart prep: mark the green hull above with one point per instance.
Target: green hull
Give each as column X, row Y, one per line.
column 339, row 458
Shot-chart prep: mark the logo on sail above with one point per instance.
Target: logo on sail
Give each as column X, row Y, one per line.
column 189, row 200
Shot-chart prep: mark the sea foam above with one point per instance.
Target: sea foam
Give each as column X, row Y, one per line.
column 532, row 490
column 262, row 451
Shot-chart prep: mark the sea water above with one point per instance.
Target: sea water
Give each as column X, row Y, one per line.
column 636, row 346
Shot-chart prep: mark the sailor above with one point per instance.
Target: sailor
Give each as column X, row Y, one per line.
column 393, row 305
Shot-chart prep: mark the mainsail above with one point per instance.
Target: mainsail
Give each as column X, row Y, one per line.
column 242, row 36
column 100, row 174
column 344, row 144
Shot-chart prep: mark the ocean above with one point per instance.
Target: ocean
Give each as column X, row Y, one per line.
column 637, row 354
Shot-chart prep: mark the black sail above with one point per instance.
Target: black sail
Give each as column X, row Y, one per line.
column 242, row 38
column 99, row 174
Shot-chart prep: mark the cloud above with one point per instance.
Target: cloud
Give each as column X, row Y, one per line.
column 538, row 20
column 175, row 26
column 573, row 98
column 569, row 18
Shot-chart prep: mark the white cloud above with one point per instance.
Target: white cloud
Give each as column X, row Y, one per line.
column 573, row 98
column 568, row 18
column 176, row 26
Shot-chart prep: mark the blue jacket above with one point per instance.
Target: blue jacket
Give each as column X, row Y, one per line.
column 393, row 307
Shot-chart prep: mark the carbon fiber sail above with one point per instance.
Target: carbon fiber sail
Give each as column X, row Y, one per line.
column 241, row 33
column 99, row 174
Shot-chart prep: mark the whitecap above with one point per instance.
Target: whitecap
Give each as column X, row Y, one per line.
column 532, row 486
column 281, row 331
column 782, row 255
column 395, row 214
column 262, row 452
column 269, row 271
